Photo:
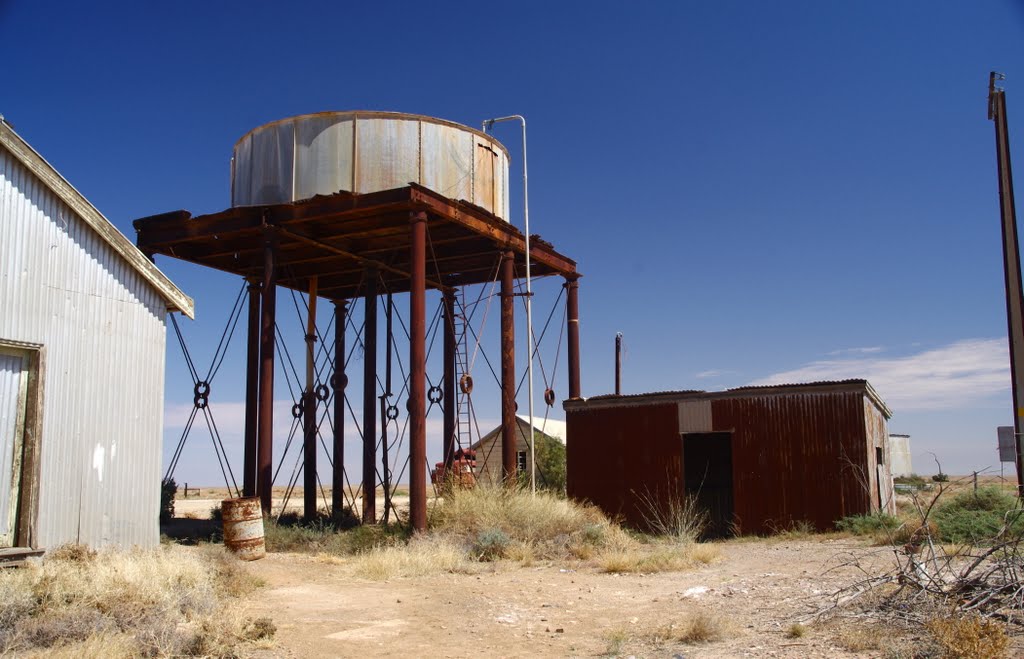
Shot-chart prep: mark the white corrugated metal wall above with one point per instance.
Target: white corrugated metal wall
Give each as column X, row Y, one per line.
column 103, row 336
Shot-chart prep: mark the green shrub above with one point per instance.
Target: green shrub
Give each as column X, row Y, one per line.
column 940, row 478
column 550, row 461
column 491, row 544
column 168, row 489
column 978, row 517
column 868, row 524
column 913, row 480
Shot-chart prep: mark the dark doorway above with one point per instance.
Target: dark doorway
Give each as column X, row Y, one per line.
column 707, row 476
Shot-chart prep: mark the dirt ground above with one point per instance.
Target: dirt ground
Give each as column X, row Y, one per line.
column 756, row 591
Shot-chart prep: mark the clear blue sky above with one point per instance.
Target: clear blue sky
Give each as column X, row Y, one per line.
column 755, row 192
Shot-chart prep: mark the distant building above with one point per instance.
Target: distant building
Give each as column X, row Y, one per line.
column 488, row 449
column 899, row 449
column 759, row 459
column 82, row 347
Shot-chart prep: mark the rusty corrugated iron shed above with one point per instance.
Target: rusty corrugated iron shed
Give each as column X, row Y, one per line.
column 799, row 452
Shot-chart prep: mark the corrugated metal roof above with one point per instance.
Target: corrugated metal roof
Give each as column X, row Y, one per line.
column 31, row 159
column 817, row 383
column 651, row 394
column 556, row 430
column 749, row 390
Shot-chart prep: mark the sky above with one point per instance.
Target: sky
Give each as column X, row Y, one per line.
column 754, row 192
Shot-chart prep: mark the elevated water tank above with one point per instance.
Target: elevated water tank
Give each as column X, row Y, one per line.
column 321, row 154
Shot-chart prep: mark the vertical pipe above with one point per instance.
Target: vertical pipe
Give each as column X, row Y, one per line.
column 309, row 411
column 418, row 373
column 340, row 381
column 618, row 363
column 252, row 391
column 508, row 370
column 370, row 399
column 450, row 367
column 268, row 320
column 389, row 332
column 385, row 458
column 1011, row 268
column 572, row 303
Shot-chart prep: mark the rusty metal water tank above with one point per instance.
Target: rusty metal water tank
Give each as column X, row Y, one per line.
column 321, row 154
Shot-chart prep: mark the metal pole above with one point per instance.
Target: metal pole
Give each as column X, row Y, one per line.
column 572, row 304
column 252, row 392
column 268, row 320
column 339, row 384
column 530, row 347
column 385, row 458
column 309, row 411
column 449, row 377
column 508, row 371
column 385, row 470
column 618, row 363
column 418, row 373
column 1011, row 265
column 370, row 399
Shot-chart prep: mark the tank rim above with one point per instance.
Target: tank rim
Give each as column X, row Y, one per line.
column 372, row 114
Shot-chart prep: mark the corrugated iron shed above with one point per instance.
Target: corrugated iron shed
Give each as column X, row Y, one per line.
column 83, row 331
column 794, row 453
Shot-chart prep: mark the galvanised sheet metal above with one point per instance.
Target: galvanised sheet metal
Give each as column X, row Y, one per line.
column 362, row 152
column 101, row 327
column 616, row 456
column 901, row 464
column 882, row 490
column 796, row 457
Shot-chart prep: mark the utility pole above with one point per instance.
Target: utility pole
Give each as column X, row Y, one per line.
column 1011, row 262
column 618, row 363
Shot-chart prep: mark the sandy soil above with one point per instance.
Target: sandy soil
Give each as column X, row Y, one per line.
column 201, row 500
column 757, row 591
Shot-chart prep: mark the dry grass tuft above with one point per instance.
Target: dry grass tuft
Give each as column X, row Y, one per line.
column 616, row 639
column 498, row 523
column 495, row 524
column 677, row 517
column 422, row 556
column 123, row 603
column 796, row 630
column 860, row 639
column 701, row 628
column 658, row 557
column 970, row 637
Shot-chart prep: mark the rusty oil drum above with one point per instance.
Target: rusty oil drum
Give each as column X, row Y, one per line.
column 243, row 527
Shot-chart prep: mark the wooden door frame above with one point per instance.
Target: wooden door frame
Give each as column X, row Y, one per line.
column 28, row 489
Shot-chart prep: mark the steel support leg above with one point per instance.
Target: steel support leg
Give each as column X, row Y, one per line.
column 370, row 400
column 572, row 303
column 268, row 320
column 508, row 370
column 338, row 385
column 448, row 385
column 309, row 412
column 252, row 392
column 418, row 373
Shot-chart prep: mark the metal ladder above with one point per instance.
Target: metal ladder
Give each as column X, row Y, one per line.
column 463, row 416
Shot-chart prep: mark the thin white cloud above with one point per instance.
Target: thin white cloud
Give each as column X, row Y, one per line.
column 713, row 373
column 949, row 377
column 856, row 351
